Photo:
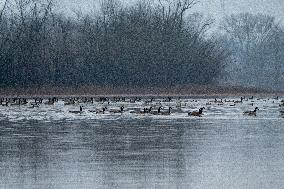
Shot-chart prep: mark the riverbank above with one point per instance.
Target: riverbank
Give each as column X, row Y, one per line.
column 192, row 90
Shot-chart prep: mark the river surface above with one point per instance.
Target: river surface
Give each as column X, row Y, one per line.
column 48, row 148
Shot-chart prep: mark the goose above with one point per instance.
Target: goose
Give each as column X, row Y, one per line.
column 228, row 100
column 196, row 113
column 251, row 113
column 5, row 103
column 167, row 113
column 69, row 102
column 16, row 102
column 241, row 101
column 137, row 111
column 132, row 100
column 98, row 110
column 149, row 101
column 178, row 104
column 34, row 105
column 38, row 100
column 77, row 112
column 117, row 111
column 101, row 111
column 25, row 101
column 146, row 110
column 282, row 114
column 50, row 101
column 218, row 101
column 157, row 112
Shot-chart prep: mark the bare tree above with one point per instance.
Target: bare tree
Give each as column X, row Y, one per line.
column 3, row 10
column 253, row 41
column 138, row 45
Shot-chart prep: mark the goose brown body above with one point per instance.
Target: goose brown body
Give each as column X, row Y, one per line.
column 196, row 113
column 251, row 113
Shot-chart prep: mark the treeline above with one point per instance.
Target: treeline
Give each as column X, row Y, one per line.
column 147, row 44
column 256, row 43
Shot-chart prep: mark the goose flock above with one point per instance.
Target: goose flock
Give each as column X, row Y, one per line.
column 165, row 106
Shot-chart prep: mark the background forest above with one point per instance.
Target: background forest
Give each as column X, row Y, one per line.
column 151, row 43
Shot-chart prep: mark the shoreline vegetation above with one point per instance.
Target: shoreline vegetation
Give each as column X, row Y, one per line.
column 180, row 91
column 146, row 44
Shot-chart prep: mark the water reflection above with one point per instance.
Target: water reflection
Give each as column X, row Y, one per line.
column 143, row 153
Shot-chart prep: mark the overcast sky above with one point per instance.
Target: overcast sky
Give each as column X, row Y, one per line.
column 210, row 7
column 207, row 7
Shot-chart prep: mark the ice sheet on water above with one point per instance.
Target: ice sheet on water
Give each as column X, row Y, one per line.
column 268, row 109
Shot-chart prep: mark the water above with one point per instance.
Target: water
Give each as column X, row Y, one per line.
column 48, row 148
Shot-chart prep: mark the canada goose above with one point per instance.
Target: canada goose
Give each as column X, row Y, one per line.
column 149, row 101
column 228, row 100
column 38, row 100
column 157, row 112
column 251, row 113
column 218, row 101
column 132, row 100
column 16, row 102
column 77, row 112
column 117, row 111
column 167, row 113
column 178, row 104
column 97, row 111
column 5, row 103
column 195, row 113
column 137, row 111
column 103, row 99
column 25, row 101
column 101, row 111
column 34, row 105
column 142, row 112
column 148, row 110
column 241, row 101
column 69, row 102
column 50, row 101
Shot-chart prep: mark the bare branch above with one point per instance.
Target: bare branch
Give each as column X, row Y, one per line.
column 2, row 10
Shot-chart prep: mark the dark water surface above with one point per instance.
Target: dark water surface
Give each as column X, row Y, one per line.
column 143, row 153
